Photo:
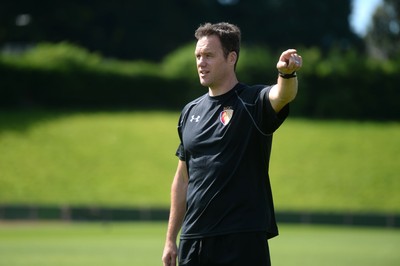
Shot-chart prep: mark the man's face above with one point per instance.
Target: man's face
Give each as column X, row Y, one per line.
column 212, row 66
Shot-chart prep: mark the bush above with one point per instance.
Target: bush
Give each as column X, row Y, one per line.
column 63, row 57
column 181, row 63
column 64, row 75
column 257, row 65
column 334, row 85
column 349, row 85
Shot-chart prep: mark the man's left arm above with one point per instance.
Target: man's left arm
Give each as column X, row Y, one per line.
column 286, row 88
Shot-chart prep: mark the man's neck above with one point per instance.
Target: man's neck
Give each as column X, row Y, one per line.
column 223, row 88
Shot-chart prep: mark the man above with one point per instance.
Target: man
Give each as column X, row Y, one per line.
column 221, row 198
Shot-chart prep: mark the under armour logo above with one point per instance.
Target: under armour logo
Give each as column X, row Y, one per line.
column 195, row 119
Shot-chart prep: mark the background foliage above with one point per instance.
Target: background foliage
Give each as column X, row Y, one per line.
column 139, row 54
column 333, row 85
column 149, row 30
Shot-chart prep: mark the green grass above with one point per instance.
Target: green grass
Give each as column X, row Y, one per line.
column 45, row 244
column 121, row 159
column 332, row 246
column 81, row 244
column 127, row 159
column 337, row 166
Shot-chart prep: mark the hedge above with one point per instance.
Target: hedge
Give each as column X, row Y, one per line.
column 63, row 75
column 344, row 85
column 55, row 89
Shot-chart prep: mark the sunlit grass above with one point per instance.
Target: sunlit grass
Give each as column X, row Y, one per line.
column 119, row 244
column 89, row 158
column 337, row 165
column 127, row 159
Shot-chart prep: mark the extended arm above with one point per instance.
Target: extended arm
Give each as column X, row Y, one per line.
column 177, row 213
column 286, row 88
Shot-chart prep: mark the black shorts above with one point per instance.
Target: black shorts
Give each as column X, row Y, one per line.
column 234, row 250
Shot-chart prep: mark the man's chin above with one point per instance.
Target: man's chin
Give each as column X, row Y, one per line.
column 204, row 83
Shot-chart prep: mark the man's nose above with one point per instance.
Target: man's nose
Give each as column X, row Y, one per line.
column 201, row 61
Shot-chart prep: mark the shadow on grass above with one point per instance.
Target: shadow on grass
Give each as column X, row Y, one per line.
column 21, row 120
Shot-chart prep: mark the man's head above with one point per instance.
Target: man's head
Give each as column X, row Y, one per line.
column 228, row 34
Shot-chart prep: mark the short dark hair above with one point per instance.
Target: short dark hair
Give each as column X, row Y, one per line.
column 228, row 34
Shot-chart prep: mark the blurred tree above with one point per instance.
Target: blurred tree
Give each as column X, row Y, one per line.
column 150, row 29
column 120, row 28
column 383, row 37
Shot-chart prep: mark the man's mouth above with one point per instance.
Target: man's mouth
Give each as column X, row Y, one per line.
column 203, row 72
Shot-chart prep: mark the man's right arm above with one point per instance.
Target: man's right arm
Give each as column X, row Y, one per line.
column 177, row 213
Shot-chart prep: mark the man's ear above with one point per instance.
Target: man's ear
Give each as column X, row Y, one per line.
column 232, row 57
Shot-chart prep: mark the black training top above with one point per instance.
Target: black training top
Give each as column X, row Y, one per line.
column 226, row 143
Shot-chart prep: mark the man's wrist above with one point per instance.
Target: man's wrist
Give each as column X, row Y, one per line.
column 287, row 76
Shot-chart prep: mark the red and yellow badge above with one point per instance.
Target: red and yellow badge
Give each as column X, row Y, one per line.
column 226, row 115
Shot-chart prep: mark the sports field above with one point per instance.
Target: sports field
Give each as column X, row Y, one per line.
column 141, row 244
column 126, row 159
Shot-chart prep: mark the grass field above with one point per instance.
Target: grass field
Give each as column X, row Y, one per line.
column 127, row 159
column 141, row 244
column 100, row 158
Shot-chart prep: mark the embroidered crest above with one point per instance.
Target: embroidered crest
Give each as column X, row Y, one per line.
column 226, row 115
